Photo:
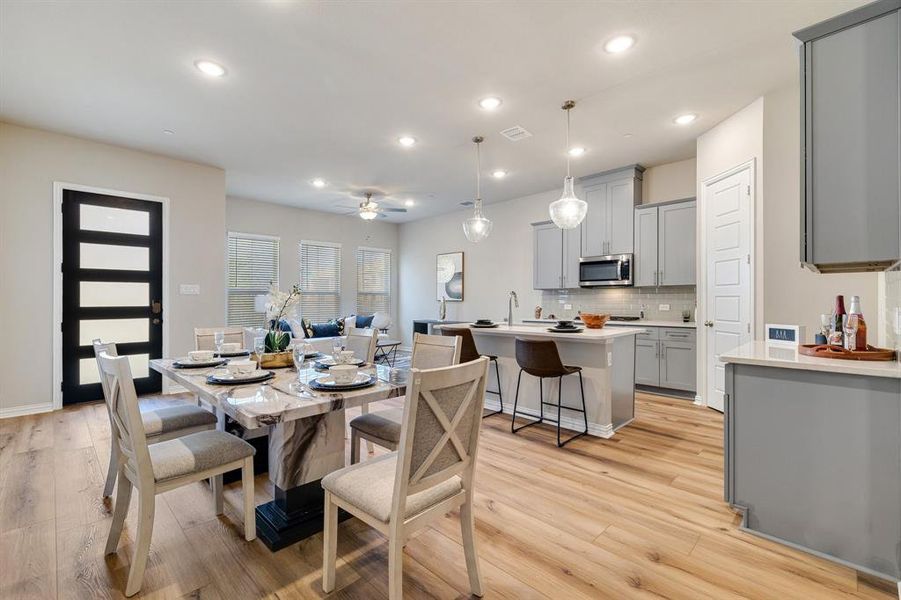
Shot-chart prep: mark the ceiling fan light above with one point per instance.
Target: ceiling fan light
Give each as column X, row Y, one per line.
column 569, row 211
column 368, row 214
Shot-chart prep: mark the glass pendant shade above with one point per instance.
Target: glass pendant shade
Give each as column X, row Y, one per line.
column 477, row 227
column 568, row 212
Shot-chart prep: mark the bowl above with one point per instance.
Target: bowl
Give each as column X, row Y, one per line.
column 231, row 347
column 565, row 324
column 241, row 367
column 200, row 355
column 593, row 321
column 343, row 374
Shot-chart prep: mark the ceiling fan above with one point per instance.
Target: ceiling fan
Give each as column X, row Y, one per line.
column 369, row 209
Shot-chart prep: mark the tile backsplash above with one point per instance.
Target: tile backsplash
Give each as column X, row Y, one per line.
column 621, row 301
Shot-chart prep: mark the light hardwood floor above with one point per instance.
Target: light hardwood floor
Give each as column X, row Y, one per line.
column 638, row 516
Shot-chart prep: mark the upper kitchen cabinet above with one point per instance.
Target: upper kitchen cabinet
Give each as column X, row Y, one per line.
column 851, row 140
column 611, row 198
column 555, row 257
column 665, row 243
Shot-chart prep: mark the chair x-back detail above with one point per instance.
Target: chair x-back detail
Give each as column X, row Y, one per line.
column 162, row 466
column 383, row 427
column 431, row 474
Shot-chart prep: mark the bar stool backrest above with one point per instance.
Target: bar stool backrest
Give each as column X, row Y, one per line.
column 539, row 358
column 468, row 350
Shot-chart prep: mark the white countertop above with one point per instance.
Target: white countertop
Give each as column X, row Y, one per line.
column 534, row 331
column 761, row 354
column 640, row 323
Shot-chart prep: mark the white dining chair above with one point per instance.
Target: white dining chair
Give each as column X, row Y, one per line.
column 431, row 474
column 205, row 337
column 383, row 427
column 158, row 468
column 160, row 424
column 363, row 344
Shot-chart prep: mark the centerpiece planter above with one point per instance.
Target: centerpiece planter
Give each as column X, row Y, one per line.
column 277, row 341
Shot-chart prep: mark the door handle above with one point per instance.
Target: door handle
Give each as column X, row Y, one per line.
column 708, row 323
column 156, row 307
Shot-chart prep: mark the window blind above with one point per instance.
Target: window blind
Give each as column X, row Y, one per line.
column 320, row 280
column 252, row 268
column 373, row 281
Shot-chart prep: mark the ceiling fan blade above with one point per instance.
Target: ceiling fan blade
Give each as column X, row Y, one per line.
column 397, row 210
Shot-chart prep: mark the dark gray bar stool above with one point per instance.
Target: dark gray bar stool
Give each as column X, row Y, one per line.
column 540, row 358
column 469, row 353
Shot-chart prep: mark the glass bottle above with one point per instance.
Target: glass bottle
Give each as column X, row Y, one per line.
column 860, row 342
column 836, row 335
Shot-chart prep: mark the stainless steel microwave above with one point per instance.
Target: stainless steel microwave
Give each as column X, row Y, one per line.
column 601, row 271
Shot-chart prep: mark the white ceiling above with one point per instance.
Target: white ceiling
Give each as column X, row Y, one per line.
column 323, row 89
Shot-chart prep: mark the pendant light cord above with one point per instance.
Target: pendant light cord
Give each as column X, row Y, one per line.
column 478, row 171
column 567, row 142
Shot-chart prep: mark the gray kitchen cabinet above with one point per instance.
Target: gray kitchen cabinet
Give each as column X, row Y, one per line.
column 665, row 236
column 677, row 253
column 678, row 365
column 851, row 140
column 611, row 198
column 645, row 259
column 555, row 257
column 647, row 362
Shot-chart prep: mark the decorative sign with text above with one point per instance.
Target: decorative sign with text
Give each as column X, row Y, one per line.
column 784, row 335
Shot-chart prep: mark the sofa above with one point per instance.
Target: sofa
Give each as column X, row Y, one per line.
column 320, row 344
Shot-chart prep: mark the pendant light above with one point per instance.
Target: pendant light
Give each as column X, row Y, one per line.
column 477, row 227
column 568, row 211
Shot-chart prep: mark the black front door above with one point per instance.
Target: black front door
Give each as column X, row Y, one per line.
column 112, row 288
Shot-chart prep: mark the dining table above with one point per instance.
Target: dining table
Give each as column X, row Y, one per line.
column 306, row 430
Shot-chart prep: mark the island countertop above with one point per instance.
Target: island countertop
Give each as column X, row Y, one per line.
column 537, row 331
column 762, row 354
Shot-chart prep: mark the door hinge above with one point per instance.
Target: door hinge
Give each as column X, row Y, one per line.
column 749, row 190
column 749, row 328
column 61, row 386
column 749, row 259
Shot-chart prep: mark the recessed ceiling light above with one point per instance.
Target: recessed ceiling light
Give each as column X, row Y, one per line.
column 410, row 203
column 628, row 135
column 490, row 103
column 620, row 43
column 406, row 141
column 168, row 132
column 685, row 119
column 208, row 67
column 318, row 182
column 499, row 174
column 576, row 151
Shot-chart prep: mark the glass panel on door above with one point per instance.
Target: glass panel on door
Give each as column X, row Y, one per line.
column 120, row 258
column 114, row 220
column 114, row 293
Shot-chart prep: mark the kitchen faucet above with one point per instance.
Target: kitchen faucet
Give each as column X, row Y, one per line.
column 511, row 300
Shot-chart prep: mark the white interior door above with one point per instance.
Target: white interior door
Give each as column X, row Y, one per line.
column 727, row 204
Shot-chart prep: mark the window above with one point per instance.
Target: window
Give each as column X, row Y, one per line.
column 373, row 281
column 320, row 281
column 252, row 267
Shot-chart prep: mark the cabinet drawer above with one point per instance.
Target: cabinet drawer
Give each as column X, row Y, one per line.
column 650, row 333
column 678, row 334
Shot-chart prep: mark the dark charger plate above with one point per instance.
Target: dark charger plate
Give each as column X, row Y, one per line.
column 343, row 388
column 213, row 379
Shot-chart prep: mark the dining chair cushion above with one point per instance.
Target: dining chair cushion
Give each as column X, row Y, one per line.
column 196, row 452
column 382, row 424
column 369, row 486
column 173, row 418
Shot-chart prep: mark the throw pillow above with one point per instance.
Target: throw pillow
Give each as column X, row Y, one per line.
column 365, row 322
column 329, row 329
column 307, row 327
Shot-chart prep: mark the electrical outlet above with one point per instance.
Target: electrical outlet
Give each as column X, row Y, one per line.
column 663, row 307
column 567, row 307
column 189, row 289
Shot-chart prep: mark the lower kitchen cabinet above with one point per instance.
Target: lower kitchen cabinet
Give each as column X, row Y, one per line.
column 667, row 358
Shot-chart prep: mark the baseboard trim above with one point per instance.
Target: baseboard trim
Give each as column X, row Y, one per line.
column 29, row 409
column 594, row 429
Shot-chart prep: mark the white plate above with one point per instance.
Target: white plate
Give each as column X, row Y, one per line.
column 224, row 375
column 328, row 380
column 187, row 362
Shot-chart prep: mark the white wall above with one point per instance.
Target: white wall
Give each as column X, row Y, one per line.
column 670, row 181
column 492, row 268
column 292, row 225
column 30, row 161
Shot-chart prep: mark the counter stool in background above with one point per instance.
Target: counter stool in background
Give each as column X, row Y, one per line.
column 540, row 358
column 469, row 353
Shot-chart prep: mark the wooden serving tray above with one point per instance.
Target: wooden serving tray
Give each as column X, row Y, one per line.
column 826, row 351
column 275, row 360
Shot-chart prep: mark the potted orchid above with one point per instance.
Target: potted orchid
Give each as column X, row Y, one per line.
column 279, row 304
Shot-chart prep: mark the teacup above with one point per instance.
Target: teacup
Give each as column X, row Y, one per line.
column 565, row 324
column 484, row 322
column 230, row 347
column 346, row 357
column 343, row 374
column 200, row 355
column 241, row 367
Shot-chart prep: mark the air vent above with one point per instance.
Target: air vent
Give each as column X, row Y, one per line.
column 466, row 203
column 515, row 133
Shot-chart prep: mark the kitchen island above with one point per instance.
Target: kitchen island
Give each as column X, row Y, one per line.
column 607, row 358
column 813, row 453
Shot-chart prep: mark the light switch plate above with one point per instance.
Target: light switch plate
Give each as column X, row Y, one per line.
column 663, row 307
column 189, row 289
column 567, row 307
column 610, row 359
